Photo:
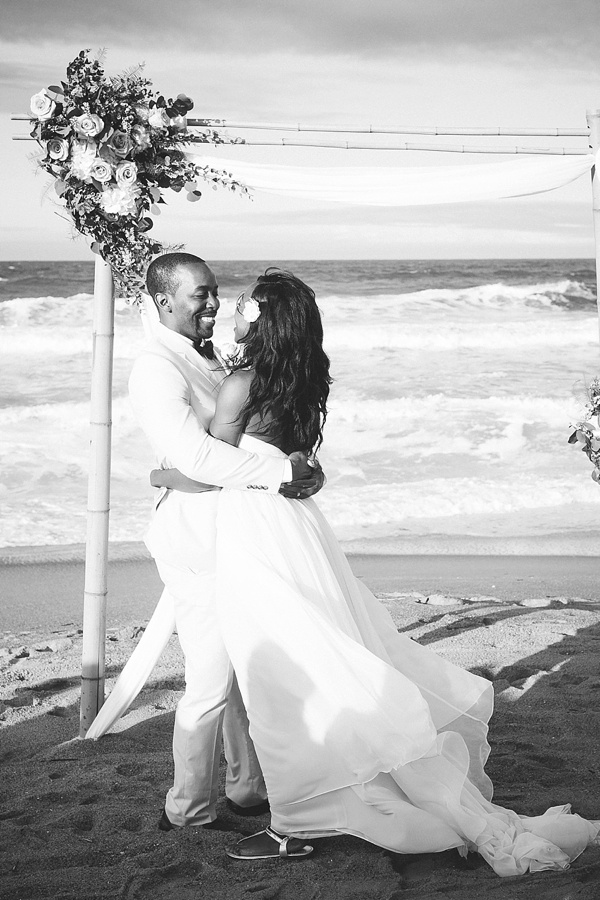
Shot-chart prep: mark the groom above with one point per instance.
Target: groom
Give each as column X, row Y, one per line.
column 173, row 388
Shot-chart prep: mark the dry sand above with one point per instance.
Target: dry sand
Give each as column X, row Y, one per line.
column 78, row 818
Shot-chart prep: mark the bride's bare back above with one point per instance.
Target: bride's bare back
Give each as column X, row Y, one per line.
column 226, row 424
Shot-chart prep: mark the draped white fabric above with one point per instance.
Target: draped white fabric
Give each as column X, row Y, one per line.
column 150, row 317
column 408, row 186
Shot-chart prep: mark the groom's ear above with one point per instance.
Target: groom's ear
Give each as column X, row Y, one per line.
column 162, row 301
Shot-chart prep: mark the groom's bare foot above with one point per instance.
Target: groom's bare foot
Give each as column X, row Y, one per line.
column 269, row 844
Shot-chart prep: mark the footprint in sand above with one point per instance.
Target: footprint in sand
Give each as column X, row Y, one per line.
column 11, row 814
column 568, row 678
column 416, row 869
column 81, row 820
column 132, row 823
column 549, row 762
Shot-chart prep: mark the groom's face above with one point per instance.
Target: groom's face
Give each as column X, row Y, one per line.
column 192, row 309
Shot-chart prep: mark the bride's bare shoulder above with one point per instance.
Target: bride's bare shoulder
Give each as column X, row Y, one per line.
column 235, row 387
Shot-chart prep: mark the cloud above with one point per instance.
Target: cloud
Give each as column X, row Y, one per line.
column 337, row 26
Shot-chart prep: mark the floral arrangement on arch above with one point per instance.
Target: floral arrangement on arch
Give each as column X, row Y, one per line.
column 114, row 145
column 585, row 433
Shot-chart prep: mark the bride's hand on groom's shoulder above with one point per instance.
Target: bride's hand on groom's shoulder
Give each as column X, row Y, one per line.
column 308, row 477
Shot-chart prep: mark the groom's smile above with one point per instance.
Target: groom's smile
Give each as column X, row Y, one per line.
column 192, row 309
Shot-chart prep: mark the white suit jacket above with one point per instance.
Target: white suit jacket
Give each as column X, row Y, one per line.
column 173, row 392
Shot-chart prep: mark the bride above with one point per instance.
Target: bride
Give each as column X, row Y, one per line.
column 358, row 729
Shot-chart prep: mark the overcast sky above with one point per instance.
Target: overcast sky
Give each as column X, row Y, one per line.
column 387, row 62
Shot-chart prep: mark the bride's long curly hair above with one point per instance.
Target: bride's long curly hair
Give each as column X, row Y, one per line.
column 284, row 347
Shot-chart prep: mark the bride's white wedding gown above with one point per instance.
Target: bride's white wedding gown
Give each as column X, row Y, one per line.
column 358, row 729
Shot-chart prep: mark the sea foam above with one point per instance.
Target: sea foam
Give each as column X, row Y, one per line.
column 449, row 411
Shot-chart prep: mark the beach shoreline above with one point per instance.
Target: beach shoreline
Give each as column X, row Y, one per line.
column 134, row 586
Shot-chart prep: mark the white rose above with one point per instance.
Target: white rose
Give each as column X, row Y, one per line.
column 101, row 170
column 118, row 201
column 42, row 106
column 57, row 149
column 88, row 125
column 83, row 156
column 126, row 174
column 158, row 118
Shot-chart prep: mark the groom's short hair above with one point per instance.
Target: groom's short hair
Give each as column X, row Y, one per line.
column 162, row 276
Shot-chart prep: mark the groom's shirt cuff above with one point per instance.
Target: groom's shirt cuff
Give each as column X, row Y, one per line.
column 287, row 472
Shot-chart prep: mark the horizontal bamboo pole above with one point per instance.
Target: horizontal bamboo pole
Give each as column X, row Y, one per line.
column 436, row 148
column 96, row 553
column 376, row 129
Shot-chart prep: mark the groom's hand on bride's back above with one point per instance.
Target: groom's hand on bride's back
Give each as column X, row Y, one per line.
column 308, row 478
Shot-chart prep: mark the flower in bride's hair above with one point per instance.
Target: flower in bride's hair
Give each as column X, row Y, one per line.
column 88, row 125
column 101, row 171
column 120, row 143
column 57, row 149
column 126, row 174
column 42, row 106
column 83, row 155
column 251, row 310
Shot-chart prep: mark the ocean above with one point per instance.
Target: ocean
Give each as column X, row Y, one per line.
column 455, row 386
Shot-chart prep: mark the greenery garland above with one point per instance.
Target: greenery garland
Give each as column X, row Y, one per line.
column 113, row 144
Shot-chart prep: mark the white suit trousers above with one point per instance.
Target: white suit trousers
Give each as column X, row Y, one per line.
column 211, row 695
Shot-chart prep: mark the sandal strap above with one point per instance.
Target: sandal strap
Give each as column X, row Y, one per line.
column 281, row 839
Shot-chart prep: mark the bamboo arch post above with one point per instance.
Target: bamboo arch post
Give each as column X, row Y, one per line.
column 593, row 120
column 96, row 554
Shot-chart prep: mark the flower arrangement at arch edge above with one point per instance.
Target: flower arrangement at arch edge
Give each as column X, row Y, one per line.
column 113, row 144
column 585, row 433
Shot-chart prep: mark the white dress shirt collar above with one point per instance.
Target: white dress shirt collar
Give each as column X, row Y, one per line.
column 184, row 347
column 178, row 342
